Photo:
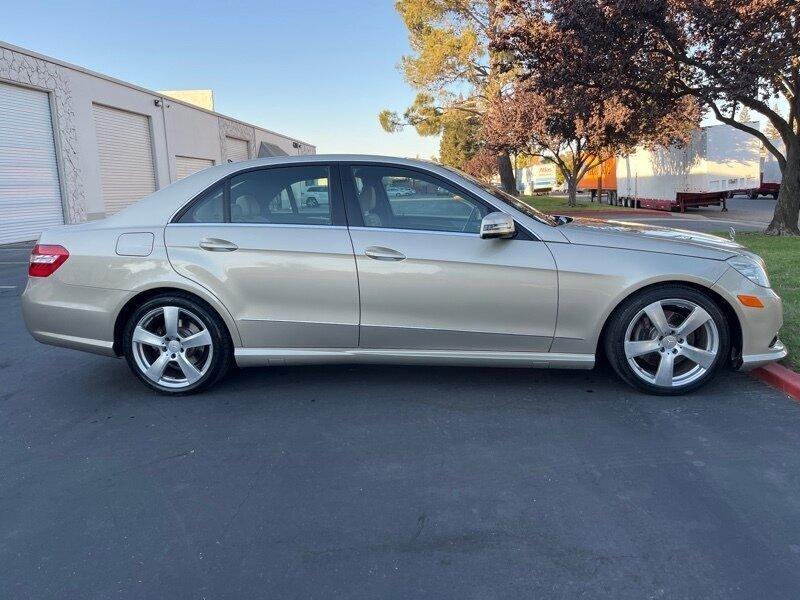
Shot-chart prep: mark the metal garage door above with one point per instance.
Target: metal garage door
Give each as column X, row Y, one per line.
column 236, row 149
column 186, row 165
column 30, row 196
column 126, row 157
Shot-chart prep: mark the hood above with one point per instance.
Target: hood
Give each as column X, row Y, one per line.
column 649, row 238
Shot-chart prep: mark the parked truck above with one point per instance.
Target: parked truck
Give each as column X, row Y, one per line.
column 538, row 178
column 771, row 175
column 717, row 160
column 601, row 179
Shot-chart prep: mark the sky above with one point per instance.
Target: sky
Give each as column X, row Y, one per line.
column 316, row 70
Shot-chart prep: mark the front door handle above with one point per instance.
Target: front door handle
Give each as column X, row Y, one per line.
column 217, row 245
column 380, row 253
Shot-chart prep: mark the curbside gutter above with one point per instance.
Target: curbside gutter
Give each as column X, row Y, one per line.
column 780, row 378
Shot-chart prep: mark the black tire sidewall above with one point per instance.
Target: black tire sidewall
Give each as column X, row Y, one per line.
column 220, row 361
column 621, row 318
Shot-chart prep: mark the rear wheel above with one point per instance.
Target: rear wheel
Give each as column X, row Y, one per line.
column 177, row 345
column 668, row 341
column 312, row 202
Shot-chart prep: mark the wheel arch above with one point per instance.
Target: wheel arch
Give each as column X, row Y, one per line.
column 144, row 295
column 722, row 303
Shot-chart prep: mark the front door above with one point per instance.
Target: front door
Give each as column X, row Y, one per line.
column 427, row 279
column 283, row 268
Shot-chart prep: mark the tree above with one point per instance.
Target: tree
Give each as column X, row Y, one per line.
column 726, row 54
column 578, row 131
column 460, row 139
column 453, row 67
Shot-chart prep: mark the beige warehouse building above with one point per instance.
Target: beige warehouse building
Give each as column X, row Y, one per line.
column 76, row 145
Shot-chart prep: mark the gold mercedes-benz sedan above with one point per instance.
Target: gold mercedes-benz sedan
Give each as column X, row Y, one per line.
column 394, row 261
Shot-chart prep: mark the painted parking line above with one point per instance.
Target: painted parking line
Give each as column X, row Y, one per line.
column 8, row 287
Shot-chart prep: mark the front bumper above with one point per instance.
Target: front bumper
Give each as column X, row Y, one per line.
column 760, row 326
column 753, row 361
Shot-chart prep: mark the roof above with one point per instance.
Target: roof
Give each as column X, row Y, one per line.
column 159, row 206
column 132, row 86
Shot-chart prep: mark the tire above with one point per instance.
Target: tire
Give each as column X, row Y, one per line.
column 312, row 202
column 695, row 349
column 754, row 195
column 774, row 195
column 168, row 363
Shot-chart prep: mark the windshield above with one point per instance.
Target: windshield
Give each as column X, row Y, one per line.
column 507, row 198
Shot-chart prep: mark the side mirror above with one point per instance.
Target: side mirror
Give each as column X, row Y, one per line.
column 497, row 225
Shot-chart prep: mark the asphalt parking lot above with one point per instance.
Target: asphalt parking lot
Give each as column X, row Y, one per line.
column 387, row 482
column 743, row 214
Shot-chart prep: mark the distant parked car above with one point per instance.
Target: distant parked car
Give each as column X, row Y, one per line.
column 226, row 266
column 315, row 195
column 399, row 190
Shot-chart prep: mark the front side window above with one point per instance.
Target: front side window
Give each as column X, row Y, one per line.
column 397, row 198
column 281, row 195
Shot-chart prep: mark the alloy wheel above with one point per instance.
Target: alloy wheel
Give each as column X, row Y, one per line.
column 172, row 347
column 672, row 343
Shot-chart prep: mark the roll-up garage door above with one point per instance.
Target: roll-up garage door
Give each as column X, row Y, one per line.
column 30, row 195
column 186, row 165
column 126, row 157
column 236, row 149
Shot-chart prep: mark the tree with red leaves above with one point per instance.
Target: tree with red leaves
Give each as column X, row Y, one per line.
column 576, row 130
column 727, row 55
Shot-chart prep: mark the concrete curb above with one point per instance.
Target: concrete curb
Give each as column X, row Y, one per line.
column 780, row 378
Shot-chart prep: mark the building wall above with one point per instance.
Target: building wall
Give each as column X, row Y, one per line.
column 176, row 128
column 201, row 98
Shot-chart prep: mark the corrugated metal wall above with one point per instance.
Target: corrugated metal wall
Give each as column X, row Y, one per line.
column 30, row 195
column 125, row 149
column 236, row 149
column 186, row 165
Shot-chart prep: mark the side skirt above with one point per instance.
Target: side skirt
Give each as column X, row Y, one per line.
column 262, row 357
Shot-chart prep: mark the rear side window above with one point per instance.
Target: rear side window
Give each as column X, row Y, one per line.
column 283, row 195
column 208, row 208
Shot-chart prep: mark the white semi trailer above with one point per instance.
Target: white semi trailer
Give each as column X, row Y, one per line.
column 717, row 160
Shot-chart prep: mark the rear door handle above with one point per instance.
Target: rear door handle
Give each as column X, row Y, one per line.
column 217, row 245
column 380, row 253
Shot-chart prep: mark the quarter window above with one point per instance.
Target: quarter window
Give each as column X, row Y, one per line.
column 206, row 209
column 403, row 199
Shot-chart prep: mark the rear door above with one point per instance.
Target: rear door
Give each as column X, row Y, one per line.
column 284, row 270
column 427, row 279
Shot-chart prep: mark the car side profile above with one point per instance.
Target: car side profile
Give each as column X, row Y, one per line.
column 314, row 195
column 399, row 190
column 231, row 265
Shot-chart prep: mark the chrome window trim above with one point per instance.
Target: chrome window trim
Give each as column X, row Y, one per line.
column 271, row 225
column 418, row 231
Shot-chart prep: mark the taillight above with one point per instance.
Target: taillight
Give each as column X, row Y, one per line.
column 45, row 259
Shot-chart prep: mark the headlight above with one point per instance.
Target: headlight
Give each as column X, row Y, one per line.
column 751, row 268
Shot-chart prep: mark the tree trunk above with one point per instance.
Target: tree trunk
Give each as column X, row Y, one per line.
column 508, row 181
column 787, row 211
column 572, row 190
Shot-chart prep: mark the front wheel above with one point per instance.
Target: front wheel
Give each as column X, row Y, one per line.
column 668, row 341
column 176, row 344
column 312, row 202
